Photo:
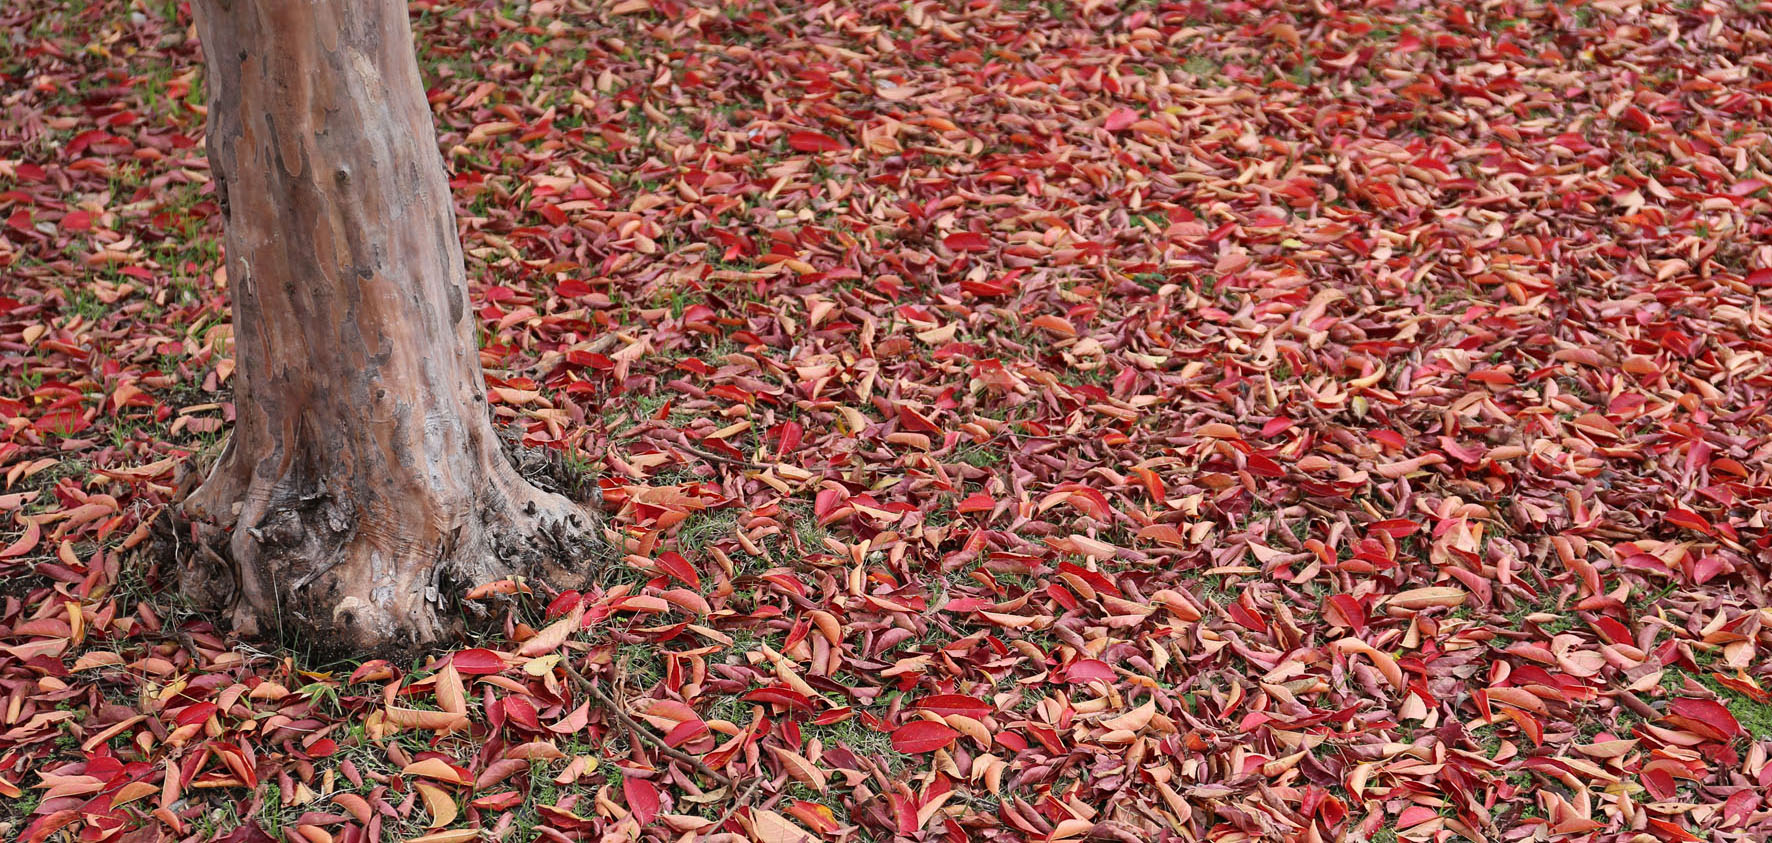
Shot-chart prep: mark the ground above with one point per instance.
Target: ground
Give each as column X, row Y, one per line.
column 1193, row 421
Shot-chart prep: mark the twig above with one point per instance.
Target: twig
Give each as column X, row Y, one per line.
column 1633, row 702
column 720, row 458
column 641, row 732
column 743, row 799
column 682, row 443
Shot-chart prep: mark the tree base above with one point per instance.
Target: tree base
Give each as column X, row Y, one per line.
column 294, row 562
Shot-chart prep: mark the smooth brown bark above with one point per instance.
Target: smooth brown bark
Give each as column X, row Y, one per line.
column 363, row 488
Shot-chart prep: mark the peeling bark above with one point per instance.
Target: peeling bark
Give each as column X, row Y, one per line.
column 363, row 487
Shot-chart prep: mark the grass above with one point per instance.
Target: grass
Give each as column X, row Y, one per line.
column 704, row 528
column 78, row 301
column 730, row 708
column 16, row 810
column 1544, row 603
column 216, row 822
column 541, row 791
column 273, row 815
column 640, row 665
column 978, row 455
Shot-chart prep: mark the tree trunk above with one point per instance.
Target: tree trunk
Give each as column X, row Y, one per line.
column 363, row 488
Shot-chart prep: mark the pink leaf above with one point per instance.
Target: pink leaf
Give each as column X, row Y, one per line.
column 1088, row 670
column 574, row 722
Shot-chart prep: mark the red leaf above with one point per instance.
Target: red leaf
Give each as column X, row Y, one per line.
column 976, row 502
column 904, row 813
column 1688, row 519
column 945, row 704
column 1668, row 830
column 477, row 662
column 1350, row 613
column 44, row 826
column 790, row 434
column 1276, row 426
column 1659, row 783
column 642, row 798
column 674, row 564
column 920, row 736
column 1261, row 466
column 1245, row 618
column 818, row 817
column 1397, row 528
column 499, row 801
column 1740, row 804
column 1712, row 718
column 913, row 420
column 813, row 142
column 780, row 696
column 1091, row 503
column 1000, row 287
column 1634, row 118
column 520, row 712
column 684, row 732
column 195, row 713
column 966, row 241
column 1528, row 724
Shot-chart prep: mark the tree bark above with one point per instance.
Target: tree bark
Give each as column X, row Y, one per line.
column 363, row 488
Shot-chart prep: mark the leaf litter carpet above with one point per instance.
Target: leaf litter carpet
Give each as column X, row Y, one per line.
column 1019, row 420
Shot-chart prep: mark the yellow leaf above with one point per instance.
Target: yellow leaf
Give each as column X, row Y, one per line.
column 435, row 768
column 1421, row 598
column 451, row 696
column 76, row 622
column 438, row 803
column 459, row 835
column 770, row 827
column 541, row 666
column 535, row 751
column 970, row 728
column 412, row 718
